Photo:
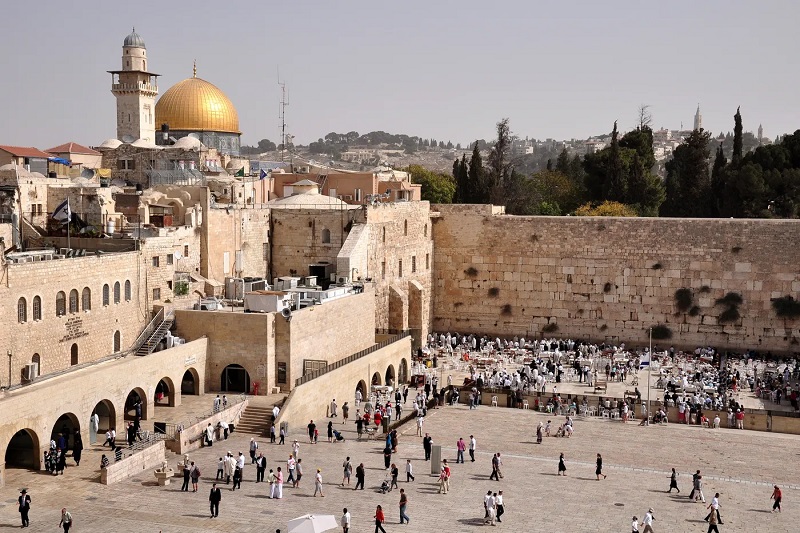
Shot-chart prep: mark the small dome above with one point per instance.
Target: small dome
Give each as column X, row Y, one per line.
column 134, row 39
column 187, row 143
column 111, row 144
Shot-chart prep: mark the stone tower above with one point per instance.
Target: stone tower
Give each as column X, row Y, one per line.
column 760, row 133
column 135, row 89
column 698, row 119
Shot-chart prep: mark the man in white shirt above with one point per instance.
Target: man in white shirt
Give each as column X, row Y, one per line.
column 491, row 508
column 647, row 522
column 275, row 412
column 240, row 461
column 345, row 520
column 472, row 446
column 714, row 506
column 498, row 501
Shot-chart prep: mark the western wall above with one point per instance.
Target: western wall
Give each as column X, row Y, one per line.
column 612, row 279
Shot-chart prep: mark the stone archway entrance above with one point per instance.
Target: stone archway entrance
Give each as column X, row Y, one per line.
column 389, row 377
column 235, row 379
column 136, row 404
column 165, row 393
column 65, row 426
column 376, row 379
column 106, row 416
column 23, row 450
column 190, row 382
column 402, row 375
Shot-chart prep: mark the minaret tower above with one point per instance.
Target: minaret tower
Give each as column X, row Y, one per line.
column 698, row 119
column 135, row 89
column 760, row 133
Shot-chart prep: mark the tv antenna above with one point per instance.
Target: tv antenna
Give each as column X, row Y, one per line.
column 282, row 113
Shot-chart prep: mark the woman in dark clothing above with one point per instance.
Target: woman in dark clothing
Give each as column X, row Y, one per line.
column 562, row 468
column 599, row 471
column 330, row 431
column 673, row 482
column 77, row 448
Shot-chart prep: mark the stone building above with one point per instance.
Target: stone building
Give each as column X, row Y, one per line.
column 135, row 89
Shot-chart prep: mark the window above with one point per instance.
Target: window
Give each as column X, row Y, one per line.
column 357, row 193
column 116, row 293
column 86, row 299
column 185, row 251
column 326, row 236
column 61, row 303
column 73, row 301
column 22, row 310
column 265, row 251
column 427, row 261
column 126, row 164
column 37, row 360
column 281, row 372
column 156, row 294
column 127, row 290
column 383, row 269
column 413, row 263
column 425, row 230
column 117, row 341
column 155, row 261
column 400, row 268
column 405, row 227
column 106, row 292
column 170, row 259
column 73, row 355
column 37, row 308
column 384, row 235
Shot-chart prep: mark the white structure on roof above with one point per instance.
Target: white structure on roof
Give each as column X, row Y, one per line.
column 304, row 194
column 135, row 89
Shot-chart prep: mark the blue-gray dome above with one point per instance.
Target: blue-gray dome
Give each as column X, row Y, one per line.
column 134, row 39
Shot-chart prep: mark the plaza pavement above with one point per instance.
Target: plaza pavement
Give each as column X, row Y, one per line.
column 741, row 465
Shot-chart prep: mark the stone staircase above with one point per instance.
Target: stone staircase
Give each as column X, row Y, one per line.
column 255, row 420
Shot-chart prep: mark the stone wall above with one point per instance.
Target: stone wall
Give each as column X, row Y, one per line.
column 226, row 231
column 148, row 459
column 191, row 438
column 614, row 278
column 311, row 400
column 90, row 330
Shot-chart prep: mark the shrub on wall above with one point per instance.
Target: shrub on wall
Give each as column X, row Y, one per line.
column 786, row 307
column 494, row 292
column 505, row 310
column 731, row 302
column 661, row 332
column 550, row 327
column 471, row 271
column 607, row 287
column 684, row 299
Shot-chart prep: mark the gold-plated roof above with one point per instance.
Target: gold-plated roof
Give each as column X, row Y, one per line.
column 196, row 105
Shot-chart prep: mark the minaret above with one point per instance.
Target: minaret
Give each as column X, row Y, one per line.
column 760, row 133
column 698, row 119
column 135, row 89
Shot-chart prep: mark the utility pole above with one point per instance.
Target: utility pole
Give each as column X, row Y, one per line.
column 282, row 114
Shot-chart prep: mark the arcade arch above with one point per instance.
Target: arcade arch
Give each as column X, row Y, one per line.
column 23, row 450
column 190, row 382
column 402, row 374
column 165, row 393
column 66, row 425
column 389, row 377
column 106, row 414
column 376, row 379
column 136, row 396
column 234, row 379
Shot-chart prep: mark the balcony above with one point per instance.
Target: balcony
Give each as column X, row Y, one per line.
column 132, row 87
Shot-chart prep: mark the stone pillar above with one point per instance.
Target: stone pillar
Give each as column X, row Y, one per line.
column 436, row 459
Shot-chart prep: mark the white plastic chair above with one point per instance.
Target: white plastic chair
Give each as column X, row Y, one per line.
column 494, row 401
column 525, row 404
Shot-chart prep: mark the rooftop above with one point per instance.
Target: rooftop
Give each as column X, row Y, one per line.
column 24, row 151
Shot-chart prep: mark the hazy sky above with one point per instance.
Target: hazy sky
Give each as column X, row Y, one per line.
column 438, row 68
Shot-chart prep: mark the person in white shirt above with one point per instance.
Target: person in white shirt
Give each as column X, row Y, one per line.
column 409, row 471
column 472, row 446
column 345, row 520
column 275, row 412
column 240, row 461
column 498, row 500
column 318, row 483
column 491, row 508
column 648, row 521
column 635, row 525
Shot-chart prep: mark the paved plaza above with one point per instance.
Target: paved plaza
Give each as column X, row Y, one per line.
column 741, row 465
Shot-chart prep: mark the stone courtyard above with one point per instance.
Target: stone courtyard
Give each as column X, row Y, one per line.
column 741, row 465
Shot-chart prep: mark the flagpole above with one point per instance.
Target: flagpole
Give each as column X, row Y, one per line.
column 69, row 219
column 649, row 366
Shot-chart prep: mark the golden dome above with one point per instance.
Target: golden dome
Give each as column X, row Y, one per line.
column 196, row 105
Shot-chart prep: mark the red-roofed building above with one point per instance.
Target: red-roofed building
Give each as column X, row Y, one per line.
column 78, row 155
column 28, row 157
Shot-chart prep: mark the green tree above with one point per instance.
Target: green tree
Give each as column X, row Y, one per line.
column 499, row 170
column 718, row 179
column 562, row 163
column 477, row 186
column 461, row 178
column 437, row 187
column 617, row 184
column 605, row 209
column 736, row 158
column 688, row 184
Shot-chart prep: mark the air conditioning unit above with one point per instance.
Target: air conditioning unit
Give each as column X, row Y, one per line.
column 348, row 197
column 342, row 280
column 30, row 371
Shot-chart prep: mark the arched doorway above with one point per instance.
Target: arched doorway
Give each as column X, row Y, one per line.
column 66, row 426
column 402, row 375
column 106, row 414
column 235, row 379
column 73, row 354
column 389, row 376
column 376, row 379
column 23, row 450
column 190, row 382
column 362, row 387
column 165, row 393
column 136, row 403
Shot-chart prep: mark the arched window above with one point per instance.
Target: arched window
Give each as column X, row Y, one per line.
column 425, row 233
column 73, row 354
column 106, row 291
column 405, row 227
column 127, row 290
column 73, row 301
column 384, row 234
column 37, row 308
column 61, row 303
column 117, row 341
column 22, row 310
column 116, row 292
column 37, row 360
column 86, row 299
column 326, row 236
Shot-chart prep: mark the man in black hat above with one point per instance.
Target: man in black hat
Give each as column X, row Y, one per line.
column 24, row 506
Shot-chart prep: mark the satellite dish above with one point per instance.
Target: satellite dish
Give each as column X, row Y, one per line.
column 286, row 313
column 87, row 173
column 127, row 139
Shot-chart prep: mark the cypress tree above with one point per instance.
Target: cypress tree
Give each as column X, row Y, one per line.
column 736, row 157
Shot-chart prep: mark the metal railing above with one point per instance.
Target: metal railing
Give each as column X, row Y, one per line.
column 148, row 330
column 172, row 430
column 350, row 358
column 148, row 439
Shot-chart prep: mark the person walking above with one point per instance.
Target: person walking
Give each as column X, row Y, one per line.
column 220, row 469
column 282, row 435
column 345, row 520
column 24, row 507
column 473, row 445
column 312, row 427
column 318, row 483
column 635, row 524
column 712, row 523
column 409, row 471
column 394, row 471
column 461, row 446
column 77, row 447
column 491, row 509
column 253, row 450
column 360, row 473
column 187, row 467
column 66, row 520
column 599, row 470
column 562, row 468
column 446, row 470
column 330, row 431
column 214, row 498
column 387, row 456
column 714, row 509
column 194, row 474
column 498, row 502
column 673, row 481
column 647, row 521
column 279, row 484
column 379, row 520
column 427, row 444
column 291, row 465
column 698, row 488
column 261, row 467
column 237, row 478
column 347, row 466
column 776, row 495
column 299, row 474
column 403, row 506
column 539, row 430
